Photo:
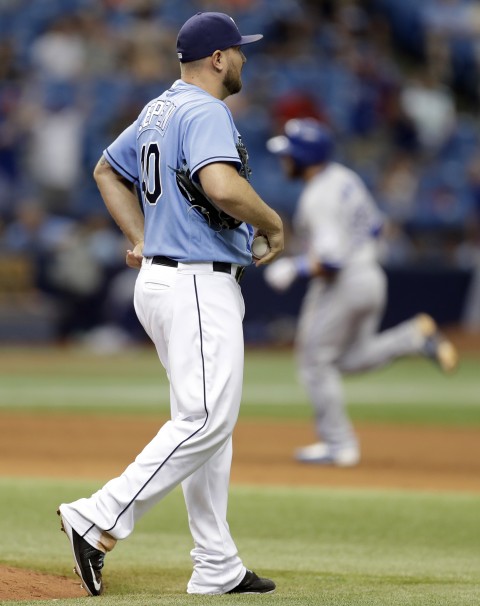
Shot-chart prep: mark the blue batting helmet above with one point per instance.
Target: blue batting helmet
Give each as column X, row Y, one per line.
column 306, row 140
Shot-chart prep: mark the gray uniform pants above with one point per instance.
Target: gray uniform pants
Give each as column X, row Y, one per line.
column 337, row 334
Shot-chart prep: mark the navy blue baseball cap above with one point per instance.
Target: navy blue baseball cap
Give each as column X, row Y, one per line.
column 204, row 33
column 306, row 140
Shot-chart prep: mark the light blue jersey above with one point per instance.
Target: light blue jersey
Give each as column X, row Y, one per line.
column 183, row 126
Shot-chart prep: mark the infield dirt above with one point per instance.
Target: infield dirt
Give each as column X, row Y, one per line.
column 72, row 446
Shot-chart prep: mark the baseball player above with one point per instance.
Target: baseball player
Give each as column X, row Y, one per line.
column 191, row 240
column 336, row 224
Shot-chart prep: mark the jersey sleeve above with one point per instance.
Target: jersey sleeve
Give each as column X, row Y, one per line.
column 122, row 154
column 210, row 136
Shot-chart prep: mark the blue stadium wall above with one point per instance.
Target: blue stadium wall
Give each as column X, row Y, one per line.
column 271, row 317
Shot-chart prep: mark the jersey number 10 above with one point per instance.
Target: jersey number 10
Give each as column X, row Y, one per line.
column 151, row 179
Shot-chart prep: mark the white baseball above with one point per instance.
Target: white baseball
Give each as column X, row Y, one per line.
column 260, row 247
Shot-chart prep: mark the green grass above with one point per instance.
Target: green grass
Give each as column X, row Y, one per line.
column 133, row 382
column 332, row 547
column 322, row 547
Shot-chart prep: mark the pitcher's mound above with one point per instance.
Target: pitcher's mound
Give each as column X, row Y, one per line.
column 23, row 584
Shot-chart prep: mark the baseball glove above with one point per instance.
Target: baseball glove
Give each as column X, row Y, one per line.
column 201, row 203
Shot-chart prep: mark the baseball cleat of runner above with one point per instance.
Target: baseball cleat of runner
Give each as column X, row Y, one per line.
column 319, row 453
column 436, row 346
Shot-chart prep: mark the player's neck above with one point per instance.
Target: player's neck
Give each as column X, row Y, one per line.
column 209, row 85
column 312, row 171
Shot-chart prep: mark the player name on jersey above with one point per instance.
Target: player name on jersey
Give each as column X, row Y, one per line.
column 160, row 110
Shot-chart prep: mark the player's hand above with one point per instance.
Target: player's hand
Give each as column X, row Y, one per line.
column 275, row 243
column 134, row 257
column 281, row 274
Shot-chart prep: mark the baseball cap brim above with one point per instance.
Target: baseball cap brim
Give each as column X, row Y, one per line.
column 279, row 145
column 250, row 39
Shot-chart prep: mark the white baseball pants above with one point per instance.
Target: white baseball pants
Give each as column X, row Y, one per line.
column 337, row 335
column 194, row 317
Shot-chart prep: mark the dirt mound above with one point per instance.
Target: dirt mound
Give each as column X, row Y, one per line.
column 21, row 584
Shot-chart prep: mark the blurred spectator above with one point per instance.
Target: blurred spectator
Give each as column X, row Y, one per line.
column 401, row 129
column 10, row 132
column 60, row 53
column 79, row 272
column 107, row 246
column 296, row 104
column 99, row 45
column 398, row 186
column 35, row 232
column 360, row 37
column 451, row 28
column 55, row 145
column 146, row 47
column 395, row 247
column 468, row 254
column 431, row 108
column 442, row 201
column 32, row 236
column 290, row 33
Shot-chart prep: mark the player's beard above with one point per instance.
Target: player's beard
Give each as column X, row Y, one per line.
column 232, row 81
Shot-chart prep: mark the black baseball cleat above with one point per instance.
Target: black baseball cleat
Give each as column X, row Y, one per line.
column 88, row 560
column 252, row 583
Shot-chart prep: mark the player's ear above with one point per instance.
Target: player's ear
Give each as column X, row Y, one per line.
column 218, row 60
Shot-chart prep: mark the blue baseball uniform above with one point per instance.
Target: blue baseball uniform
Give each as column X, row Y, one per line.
column 189, row 301
column 184, row 126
